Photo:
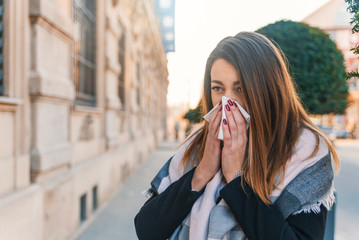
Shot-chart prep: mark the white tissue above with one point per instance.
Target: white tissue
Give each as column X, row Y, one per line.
column 224, row 102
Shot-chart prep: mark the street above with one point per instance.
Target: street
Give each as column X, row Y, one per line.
column 347, row 188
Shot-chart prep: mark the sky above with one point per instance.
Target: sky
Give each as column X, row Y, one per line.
column 201, row 24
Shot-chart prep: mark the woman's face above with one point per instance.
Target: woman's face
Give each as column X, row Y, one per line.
column 225, row 82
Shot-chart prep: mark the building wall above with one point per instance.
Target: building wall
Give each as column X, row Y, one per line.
column 53, row 150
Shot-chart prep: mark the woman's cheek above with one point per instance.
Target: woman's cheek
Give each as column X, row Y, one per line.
column 216, row 98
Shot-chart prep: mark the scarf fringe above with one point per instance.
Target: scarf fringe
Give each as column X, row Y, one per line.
column 147, row 193
column 327, row 201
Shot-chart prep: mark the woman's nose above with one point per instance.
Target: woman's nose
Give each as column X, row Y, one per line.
column 231, row 95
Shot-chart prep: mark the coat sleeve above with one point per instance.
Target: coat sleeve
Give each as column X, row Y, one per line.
column 261, row 221
column 163, row 213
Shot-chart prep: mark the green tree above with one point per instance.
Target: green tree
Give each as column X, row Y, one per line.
column 195, row 115
column 353, row 8
column 315, row 63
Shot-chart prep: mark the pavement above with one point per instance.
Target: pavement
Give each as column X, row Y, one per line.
column 115, row 220
column 347, row 188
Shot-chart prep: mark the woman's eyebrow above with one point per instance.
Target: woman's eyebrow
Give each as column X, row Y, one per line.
column 237, row 83
column 218, row 82
column 221, row 83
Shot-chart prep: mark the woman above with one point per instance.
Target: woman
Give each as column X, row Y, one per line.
column 273, row 180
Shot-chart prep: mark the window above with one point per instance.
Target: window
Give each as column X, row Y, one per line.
column 122, row 58
column 84, row 53
column 2, row 85
column 94, row 199
column 83, row 214
column 165, row 3
column 138, row 69
column 169, row 36
column 168, row 21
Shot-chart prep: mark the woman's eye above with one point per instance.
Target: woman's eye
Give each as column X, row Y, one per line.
column 216, row 89
column 239, row 89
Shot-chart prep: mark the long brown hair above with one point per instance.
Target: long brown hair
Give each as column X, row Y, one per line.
column 277, row 115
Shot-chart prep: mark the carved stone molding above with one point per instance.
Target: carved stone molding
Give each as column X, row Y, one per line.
column 87, row 132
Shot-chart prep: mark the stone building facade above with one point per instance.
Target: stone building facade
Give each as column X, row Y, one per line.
column 83, row 101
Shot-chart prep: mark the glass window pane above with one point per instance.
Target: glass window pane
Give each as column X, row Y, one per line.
column 85, row 51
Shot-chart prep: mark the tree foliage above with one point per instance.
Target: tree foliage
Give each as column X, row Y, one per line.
column 315, row 63
column 195, row 115
column 353, row 8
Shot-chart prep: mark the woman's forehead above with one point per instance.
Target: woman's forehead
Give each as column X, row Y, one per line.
column 223, row 71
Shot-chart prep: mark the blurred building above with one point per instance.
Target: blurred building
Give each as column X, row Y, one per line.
column 83, row 87
column 165, row 12
column 177, row 125
column 334, row 19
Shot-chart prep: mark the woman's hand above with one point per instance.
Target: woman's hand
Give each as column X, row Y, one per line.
column 235, row 141
column 210, row 163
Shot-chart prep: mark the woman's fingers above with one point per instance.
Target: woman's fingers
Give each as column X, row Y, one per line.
column 235, row 141
column 215, row 119
column 240, row 121
column 238, row 117
column 214, row 115
column 236, row 123
column 227, row 139
column 214, row 128
column 217, row 123
column 230, row 119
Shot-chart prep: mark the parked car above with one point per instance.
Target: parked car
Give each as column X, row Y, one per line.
column 326, row 130
column 340, row 133
column 329, row 131
column 335, row 133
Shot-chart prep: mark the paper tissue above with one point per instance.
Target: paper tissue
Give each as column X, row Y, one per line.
column 224, row 102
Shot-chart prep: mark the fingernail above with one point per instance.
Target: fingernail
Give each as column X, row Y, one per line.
column 220, row 103
column 225, row 121
column 227, row 107
column 230, row 102
column 220, row 109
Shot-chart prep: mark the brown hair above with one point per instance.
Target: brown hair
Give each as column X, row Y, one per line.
column 277, row 115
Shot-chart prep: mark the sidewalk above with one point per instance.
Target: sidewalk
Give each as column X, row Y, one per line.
column 348, row 150
column 347, row 142
column 116, row 219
